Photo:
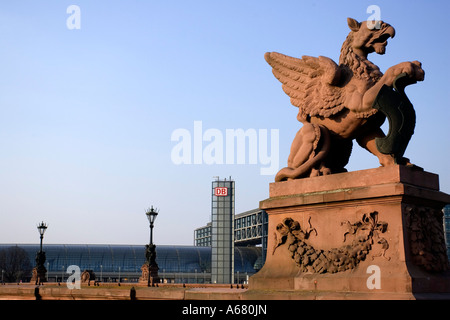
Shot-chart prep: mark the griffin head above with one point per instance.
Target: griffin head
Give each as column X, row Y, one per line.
column 369, row 37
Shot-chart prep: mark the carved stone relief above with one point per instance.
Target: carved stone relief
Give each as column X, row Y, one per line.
column 426, row 237
column 358, row 241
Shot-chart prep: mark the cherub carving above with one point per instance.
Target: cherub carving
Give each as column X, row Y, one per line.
column 336, row 101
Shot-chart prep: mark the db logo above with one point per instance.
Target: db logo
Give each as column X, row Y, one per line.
column 221, row 192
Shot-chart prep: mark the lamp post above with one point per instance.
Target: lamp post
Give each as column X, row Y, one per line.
column 39, row 271
column 151, row 216
column 150, row 253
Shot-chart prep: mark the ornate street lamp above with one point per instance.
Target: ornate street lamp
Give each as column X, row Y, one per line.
column 39, row 271
column 150, row 268
column 42, row 228
column 151, row 216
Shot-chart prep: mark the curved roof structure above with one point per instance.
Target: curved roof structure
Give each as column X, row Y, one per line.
column 130, row 258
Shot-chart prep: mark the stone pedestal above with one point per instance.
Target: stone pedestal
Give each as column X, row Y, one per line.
column 38, row 275
column 370, row 231
column 147, row 272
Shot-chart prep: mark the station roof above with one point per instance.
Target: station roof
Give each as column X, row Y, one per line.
column 130, row 258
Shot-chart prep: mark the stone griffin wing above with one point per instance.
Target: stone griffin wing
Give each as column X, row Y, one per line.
column 310, row 82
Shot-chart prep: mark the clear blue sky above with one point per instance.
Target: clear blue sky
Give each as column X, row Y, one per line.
column 86, row 116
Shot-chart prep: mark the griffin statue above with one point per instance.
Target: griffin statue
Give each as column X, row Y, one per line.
column 339, row 103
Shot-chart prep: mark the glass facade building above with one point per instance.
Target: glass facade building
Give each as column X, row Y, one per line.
column 177, row 264
column 250, row 229
column 202, row 236
column 222, row 231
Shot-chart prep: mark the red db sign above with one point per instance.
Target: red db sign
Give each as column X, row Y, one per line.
column 221, row 191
